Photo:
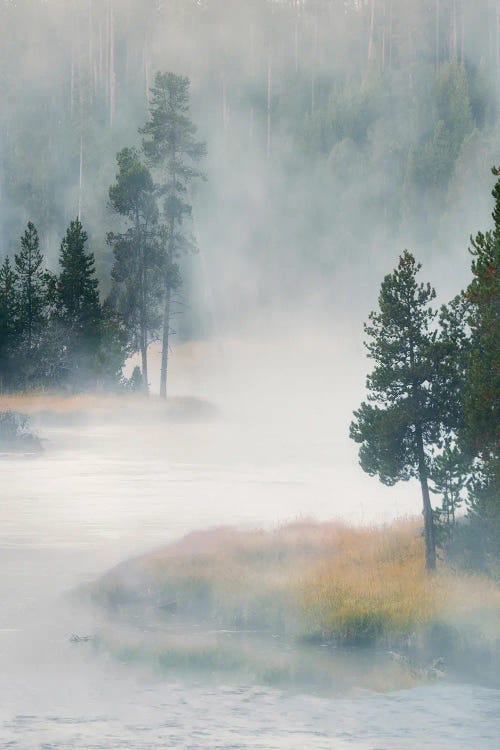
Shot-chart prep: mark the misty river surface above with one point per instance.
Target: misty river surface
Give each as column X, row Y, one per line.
column 100, row 493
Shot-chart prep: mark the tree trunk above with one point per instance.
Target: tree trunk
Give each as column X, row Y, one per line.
column 165, row 343
column 438, row 32
column 269, row 105
column 371, row 37
column 427, row 512
column 80, row 182
column 144, row 358
column 112, row 80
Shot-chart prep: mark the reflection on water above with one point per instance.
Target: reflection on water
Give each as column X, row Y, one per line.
column 101, row 493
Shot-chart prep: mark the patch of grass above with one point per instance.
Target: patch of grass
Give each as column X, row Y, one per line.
column 326, row 583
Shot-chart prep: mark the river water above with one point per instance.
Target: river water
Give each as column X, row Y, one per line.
column 102, row 492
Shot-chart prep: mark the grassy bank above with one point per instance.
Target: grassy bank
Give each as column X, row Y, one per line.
column 320, row 583
column 62, row 407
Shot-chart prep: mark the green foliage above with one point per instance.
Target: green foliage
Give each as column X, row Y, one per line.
column 407, row 414
column 136, row 273
column 8, row 319
column 170, row 146
column 53, row 330
column 30, row 285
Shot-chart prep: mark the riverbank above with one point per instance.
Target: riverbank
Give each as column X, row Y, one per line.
column 327, row 584
column 67, row 408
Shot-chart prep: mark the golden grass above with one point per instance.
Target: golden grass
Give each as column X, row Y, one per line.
column 120, row 406
column 322, row 581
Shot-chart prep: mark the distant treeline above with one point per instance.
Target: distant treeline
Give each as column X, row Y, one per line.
column 369, row 113
column 54, row 330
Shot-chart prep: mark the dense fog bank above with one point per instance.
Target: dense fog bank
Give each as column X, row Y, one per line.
column 337, row 132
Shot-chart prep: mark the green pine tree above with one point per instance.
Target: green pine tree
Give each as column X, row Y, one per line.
column 481, row 429
column 406, row 414
column 79, row 310
column 31, row 286
column 171, row 147
column 8, row 320
column 136, row 273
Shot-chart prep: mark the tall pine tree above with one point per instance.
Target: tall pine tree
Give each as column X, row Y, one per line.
column 79, row 309
column 407, row 412
column 31, row 286
column 171, row 147
column 137, row 268
column 8, row 321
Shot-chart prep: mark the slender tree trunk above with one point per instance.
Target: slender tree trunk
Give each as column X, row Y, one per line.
column 269, row 104
column 497, row 40
column 112, row 79
column 371, row 37
column 80, row 183
column 144, row 360
column 165, row 344
column 72, row 84
column 225, row 110
column 454, row 31
column 430, row 538
column 438, row 32
column 144, row 304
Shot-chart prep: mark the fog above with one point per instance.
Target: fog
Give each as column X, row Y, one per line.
column 338, row 133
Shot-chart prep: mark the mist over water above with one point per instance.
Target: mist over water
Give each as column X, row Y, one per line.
column 106, row 489
column 323, row 123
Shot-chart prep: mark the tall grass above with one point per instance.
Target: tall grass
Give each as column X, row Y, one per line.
column 325, row 582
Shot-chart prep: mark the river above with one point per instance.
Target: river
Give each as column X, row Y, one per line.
column 101, row 492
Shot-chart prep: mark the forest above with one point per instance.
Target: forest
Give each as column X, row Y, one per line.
column 156, row 153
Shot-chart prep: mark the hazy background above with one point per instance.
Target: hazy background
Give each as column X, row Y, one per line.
column 338, row 133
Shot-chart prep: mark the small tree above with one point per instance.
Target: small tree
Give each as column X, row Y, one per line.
column 79, row 310
column 8, row 319
column 406, row 414
column 30, row 285
column 137, row 272
column 170, row 146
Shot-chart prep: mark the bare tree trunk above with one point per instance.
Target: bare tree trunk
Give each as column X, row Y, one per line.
column 225, row 111
column 269, row 103
column 391, row 21
column 72, row 83
column 147, row 70
column 91, row 49
column 497, row 39
column 296, row 40
column 251, row 127
column 454, row 31
column 112, row 79
column 165, row 345
column 384, row 35
column 430, row 538
column 371, row 37
column 462, row 33
column 313, row 67
column 438, row 32
column 144, row 359
column 80, row 183
column 100, row 56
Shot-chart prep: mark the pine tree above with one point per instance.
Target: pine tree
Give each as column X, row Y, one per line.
column 136, row 272
column 79, row 309
column 481, row 429
column 171, row 147
column 8, row 320
column 30, row 286
column 406, row 414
